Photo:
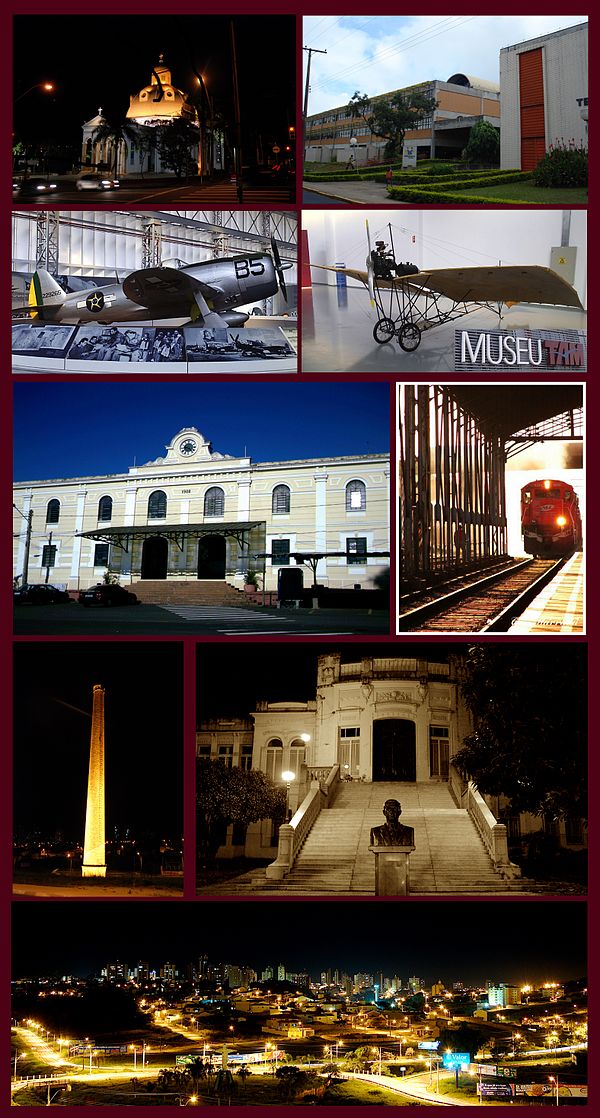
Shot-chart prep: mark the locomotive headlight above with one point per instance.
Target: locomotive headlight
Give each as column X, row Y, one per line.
column 561, row 521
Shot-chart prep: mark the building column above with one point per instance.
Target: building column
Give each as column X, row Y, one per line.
column 79, row 518
column 243, row 513
column 321, row 520
column 129, row 518
column 23, row 531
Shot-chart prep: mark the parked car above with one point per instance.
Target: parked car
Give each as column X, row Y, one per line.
column 96, row 182
column 33, row 188
column 107, row 594
column 39, row 594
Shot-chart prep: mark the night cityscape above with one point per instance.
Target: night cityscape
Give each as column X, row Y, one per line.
column 136, row 1006
column 212, row 98
column 142, row 775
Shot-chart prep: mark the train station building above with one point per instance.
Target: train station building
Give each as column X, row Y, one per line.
column 196, row 516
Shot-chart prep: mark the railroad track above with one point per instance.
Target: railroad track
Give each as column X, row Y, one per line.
column 489, row 605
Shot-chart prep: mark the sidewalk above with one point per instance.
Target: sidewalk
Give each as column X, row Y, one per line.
column 359, row 193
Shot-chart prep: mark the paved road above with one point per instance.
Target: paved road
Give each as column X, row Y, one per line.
column 73, row 620
column 415, row 1086
column 172, row 194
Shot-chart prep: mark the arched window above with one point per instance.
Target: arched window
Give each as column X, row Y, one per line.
column 53, row 511
column 157, row 505
column 356, row 496
column 214, row 501
column 281, row 499
column 274, row 759
column 297, row 755
column 105, row 508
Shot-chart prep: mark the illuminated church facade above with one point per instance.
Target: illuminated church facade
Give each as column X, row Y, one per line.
column 154, row 106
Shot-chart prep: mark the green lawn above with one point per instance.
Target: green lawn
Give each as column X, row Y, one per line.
column 257, row 1091
column 526, row 192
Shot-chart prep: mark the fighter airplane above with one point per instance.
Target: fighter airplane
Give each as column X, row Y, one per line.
column 414, row 303
column 206, row 293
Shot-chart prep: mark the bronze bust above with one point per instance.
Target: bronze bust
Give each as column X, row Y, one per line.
column 392, row 832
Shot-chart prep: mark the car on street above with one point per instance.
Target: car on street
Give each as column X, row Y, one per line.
column 33, row 187
column 39, row 594
column 107, row 594
column 96, row 182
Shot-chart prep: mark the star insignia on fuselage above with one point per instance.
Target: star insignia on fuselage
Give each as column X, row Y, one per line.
column 95, row 302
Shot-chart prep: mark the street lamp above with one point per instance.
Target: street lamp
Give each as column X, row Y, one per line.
column 46, row 87
column 18, row 1056
column 288, row 776
column 554, row 1080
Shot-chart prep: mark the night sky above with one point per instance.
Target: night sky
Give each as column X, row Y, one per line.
column 289, row 671
column 101, row 428
column 143, row 728
column 99, row 60
column 279, row 672
column 511, row 941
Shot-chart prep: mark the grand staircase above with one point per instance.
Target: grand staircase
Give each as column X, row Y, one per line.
column 196, row 592
column 449, row 857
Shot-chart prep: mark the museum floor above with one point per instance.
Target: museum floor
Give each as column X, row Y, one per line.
column 337, row 333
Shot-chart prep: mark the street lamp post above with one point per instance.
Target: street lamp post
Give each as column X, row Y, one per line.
column 288, row 776
column 554, row 1080
column 46, row 87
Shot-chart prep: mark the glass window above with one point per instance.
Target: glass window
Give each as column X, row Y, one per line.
column 246, row 757
column 280, row 553
column 157, row 505
column 356, row 551
column 214, row 501
column 356, row 496
column 105, row 508
column 101, row 551
column 49, row 555
column 204, row 751
column 281, row 499
column 274, row 759
column 53, row 511
column 439, row 751
column 226, row 755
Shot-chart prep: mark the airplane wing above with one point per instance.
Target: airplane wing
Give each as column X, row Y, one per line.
column 156, row 288
column 524, row 283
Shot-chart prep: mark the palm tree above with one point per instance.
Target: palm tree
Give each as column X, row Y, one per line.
column 116, row 135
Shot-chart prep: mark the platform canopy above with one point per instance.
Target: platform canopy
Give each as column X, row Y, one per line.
column 506, row 409
column 123, row 535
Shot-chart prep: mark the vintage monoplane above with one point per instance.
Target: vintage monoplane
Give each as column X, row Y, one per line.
column 205, row 293
column 410, row 300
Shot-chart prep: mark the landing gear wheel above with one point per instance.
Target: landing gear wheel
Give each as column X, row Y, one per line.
column 384, row 330
column 409, row 337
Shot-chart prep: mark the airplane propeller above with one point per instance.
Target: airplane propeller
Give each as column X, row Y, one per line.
column 279, row 268
column 370, row 269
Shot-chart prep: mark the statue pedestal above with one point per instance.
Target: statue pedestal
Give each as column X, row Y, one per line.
column 391, row 870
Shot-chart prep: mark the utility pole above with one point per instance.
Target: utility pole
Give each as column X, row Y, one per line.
column 238, row 128
column 310, row 51
column 49, row 555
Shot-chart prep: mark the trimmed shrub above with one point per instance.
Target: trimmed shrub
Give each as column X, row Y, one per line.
column 562, row 165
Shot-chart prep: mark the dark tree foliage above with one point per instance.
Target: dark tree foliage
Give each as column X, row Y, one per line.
column 176, row 143
column 226, row 796
column 530, row 737
column 467, row 1038
column 484, row 144
column 392, row 119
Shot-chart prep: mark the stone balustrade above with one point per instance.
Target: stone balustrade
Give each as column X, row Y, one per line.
column 293, row 834
column 493, row 834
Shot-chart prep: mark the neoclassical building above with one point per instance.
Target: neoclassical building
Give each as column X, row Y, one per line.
column 197, row 515
column 155, row 105
column 385, row 719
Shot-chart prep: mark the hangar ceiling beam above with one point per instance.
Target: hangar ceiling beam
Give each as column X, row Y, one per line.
column 232, row 224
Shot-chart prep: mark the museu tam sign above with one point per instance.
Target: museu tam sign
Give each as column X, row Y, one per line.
column 487, row 351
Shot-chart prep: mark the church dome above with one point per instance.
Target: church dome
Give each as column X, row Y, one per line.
column 159, row 102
